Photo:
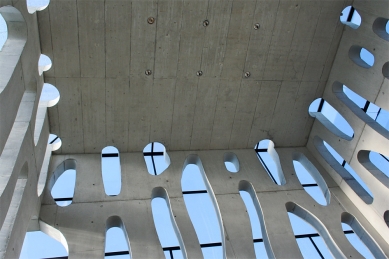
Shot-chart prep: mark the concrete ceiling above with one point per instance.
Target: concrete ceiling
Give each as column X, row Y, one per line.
column 101, row 50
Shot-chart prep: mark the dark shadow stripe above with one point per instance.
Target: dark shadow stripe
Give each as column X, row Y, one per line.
column 194, row 192
column 117, row 253
column 110, row 155
column 258, row 240
column 63, row 199
column 210, row 245
column 309, row 185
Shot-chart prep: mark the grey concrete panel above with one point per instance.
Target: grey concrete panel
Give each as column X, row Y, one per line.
column 45, row 38
column 91, row 40
column 64, row 36
column 207, row 90
column 224, row 113
column 93, row 114
column 244, row 114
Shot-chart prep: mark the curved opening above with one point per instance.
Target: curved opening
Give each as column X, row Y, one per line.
column 117, row 243
column 350, row 17
column 202, row 208
column 385, row 70
column 46, row 243
column 37, row 5
column 111, row 171
column 63, row 182
column 361, row 56
column 331, row 118
column 377, row 164
column 231, row 162
column 3, row 32
column 381, row 28
column 55, row 142
column 376, row 117
column 262, row 245
column 156, row 158
column 14, row 44
column 386, row 217
column 43, row 172
column 165, row 224
column 344, row 170
column 311, row 235
column 270, row 160
column 44, row 64
column 359, row 238
column 311, row 179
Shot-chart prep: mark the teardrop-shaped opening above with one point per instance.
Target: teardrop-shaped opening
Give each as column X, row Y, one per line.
column 165, row 224
column 311, row 235
column 261, row 242
column 44, row 64
column 270, row 161
column 386, row 217
column 117, row 243
column 359, row 238
column 361, row 56
column 3, row 32
column 63, row 182
column 37, row 5
column 373, row 115
column 47, row 242
column 156, row 158
column 111, row 171
column 202, row 208
column 344, row 170
column 381, row 28
column 331, row 118
column 55, row 142
column 311, row 180
column 231, row 162
column 377, row 164
column 350, row 17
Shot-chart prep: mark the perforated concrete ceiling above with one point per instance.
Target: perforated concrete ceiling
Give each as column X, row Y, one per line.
column 101, row 50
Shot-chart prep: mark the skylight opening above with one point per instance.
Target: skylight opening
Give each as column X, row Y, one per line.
column 359, row 238
column 156, row 158
column 167, row 230
column 370, row 113
column 201, row 208
column 331, row 118
column 361, row 56
column 311, row 180
column 44, row 64
column 111, row 171
column 270, row 161
column 261, row 242
column 63, row 182
column 350, row 17
column 344, row 170
column 377, row 164
column 381, row 28
column 231, row 162
column 3, row 32
column 49, row 96
column 117, row 244
column 37, row 5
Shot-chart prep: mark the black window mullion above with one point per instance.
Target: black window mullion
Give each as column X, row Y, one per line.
column 317, row 249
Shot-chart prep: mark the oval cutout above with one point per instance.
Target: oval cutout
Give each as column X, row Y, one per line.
column 361, row 56
column 311, row 179
column 55, row 142
column 262, row 245
column 63, row 182
column 231, row 162
column 381, row 28
column 36, row 5
column 311, row 235
column 385, row 70
column 117, row 242
column 270, row 160
column 331, row 118
column 44, row 64
column 3, row 32
column 375, row 116
column 111, row 171
column 350, row 17
column 156, row 158
column 202, row 208
column 377, row 164
column 165, row 224
column 344, row 170
column 359, row 238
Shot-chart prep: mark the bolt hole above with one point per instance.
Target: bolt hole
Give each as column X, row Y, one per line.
column 150, row 20
column 205, row 23
column 199, row 73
